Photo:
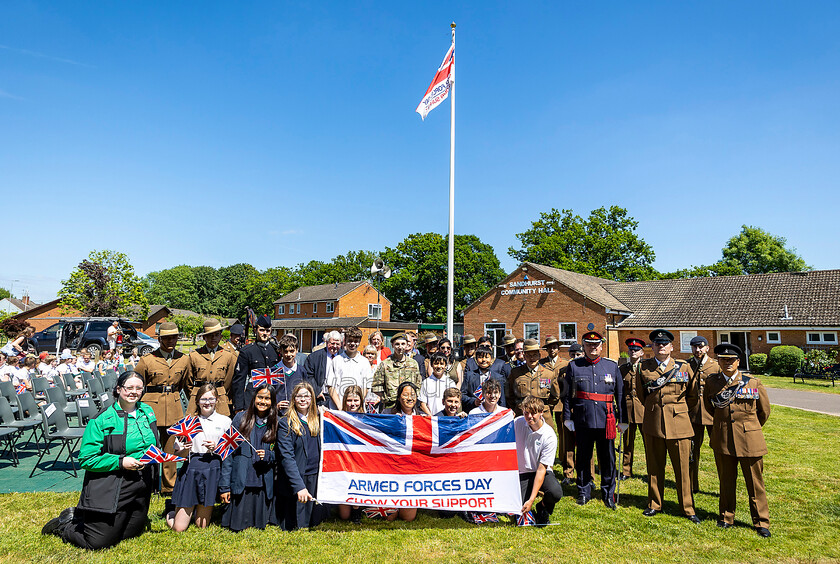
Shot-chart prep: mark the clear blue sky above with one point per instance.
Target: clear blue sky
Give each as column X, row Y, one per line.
column 211, row 133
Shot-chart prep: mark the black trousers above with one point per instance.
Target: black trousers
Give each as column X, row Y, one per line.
column 298, row 515
column 94, row 530
column 587, row 440
column 551, row 488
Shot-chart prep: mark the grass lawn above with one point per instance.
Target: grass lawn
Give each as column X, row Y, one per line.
column 810, row 385
column 801, row 472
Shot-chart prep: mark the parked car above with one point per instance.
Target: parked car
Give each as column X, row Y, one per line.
column 91, row 333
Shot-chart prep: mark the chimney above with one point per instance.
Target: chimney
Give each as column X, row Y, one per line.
column 25, row 299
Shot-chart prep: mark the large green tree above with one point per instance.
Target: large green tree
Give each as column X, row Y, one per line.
column 4, row 293
column 417, row 287
column 352, row 267
column 173, row 287
column 605, row 244
column 104, row 285
column 267, row 286
column 236, row 283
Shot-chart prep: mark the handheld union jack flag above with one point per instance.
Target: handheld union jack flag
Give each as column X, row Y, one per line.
column 155, row 455
column 188, row 427
column 20, row 388
column 378, row 512
column 526, row 520
column 479, row 393
column 266, row 377
column 230, row 441
column 479, row 518
column 370, row 407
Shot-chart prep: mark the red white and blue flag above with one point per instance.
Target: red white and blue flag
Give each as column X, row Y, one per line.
column 154, row 455
column 229, row 442
column 448, row 463
column 438, row 90
column 188, row 427
column 20, row 388
column 481, row 518
column 479, row 393
column 525, row 519
column 378, row 512
column 266, row 377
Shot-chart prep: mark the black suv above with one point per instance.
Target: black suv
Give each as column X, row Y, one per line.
column 91, row 333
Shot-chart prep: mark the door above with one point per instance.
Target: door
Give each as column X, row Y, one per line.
column 742, row 339
column 496, row 332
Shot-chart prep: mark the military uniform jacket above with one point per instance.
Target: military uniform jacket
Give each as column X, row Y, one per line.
column 736, row 429
column 599, row 377
column 251, row 357
column 558, row 366
column 667, row 410
column 632, row 398
column 156, row 372
column 539, row 382
column 702, row 416
column 218, row 370
column 390, row 374
column 230, row 347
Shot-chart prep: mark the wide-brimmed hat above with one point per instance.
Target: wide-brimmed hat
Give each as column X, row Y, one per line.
column 211, row 326
column 167, row 329
column 531, row 345
column 508, row 340
column 551, row 340
column 430, row 338
column 468, row 340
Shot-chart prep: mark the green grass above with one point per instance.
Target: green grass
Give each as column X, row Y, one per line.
column 810, row 384
column 801, row 472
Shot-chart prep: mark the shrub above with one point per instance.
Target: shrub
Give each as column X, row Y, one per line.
column 758, row 363
column 817, row 360
column 785, row 360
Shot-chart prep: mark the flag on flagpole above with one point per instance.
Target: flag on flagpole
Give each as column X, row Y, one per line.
column 525, row 519
column 154, row 455
column 228, row 443
column 439, row 88
column 188, row 427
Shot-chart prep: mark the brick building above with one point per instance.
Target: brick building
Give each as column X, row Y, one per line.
column 756, row 312
column 44, row 315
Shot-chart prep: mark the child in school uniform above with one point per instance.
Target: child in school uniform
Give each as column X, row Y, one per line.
column 432, row 388
column 491, row 393
column 352, row 402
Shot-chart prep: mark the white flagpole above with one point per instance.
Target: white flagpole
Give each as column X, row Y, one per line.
column 450, row 283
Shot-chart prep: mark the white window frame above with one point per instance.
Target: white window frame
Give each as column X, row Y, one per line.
column 298, row 308
column 566, row 342
column 281, row 309
column 685, row 340
column 721, row 338
column 525, row 330
column 822, row 335
column 330, row 307
column 776, row 341
column 315, row 307
column 372, row 309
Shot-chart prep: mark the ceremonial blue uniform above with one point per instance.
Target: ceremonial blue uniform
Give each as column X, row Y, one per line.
column 595, row 393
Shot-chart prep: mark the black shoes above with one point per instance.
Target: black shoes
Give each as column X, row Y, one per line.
column 763, row 532
column 356, row 515
column 694, row 519
column 724, row 525
column 541, row 516
column 582, row 500
column 610, row 502
column 57, row 525
column 650, row 512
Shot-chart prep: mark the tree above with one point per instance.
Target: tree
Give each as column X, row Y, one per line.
column 4, row 293
column 104, row 285
column 188, row 325
column 417, row 286
column 234, row 283
column 720, row 268
column 269, row 285
column 605, row 244
column 172, row 287
column 759, row 252
column 208, row 286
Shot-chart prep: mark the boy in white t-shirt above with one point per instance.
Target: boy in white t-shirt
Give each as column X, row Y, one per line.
column 536, row 447
column 433, row 387
column 491, row 391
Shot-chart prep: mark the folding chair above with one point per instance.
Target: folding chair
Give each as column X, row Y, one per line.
column 28, row 413
column 72, row 390
column 109, row 380
column 7, row 390
column 40, row 384
column 55, row 428
column 9, row 435
column 8, row 420
column 96, row 390
column 87, row 410
column 56, row 396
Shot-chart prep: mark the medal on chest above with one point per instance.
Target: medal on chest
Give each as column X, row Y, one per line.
column 545, row 383
column 680, row 377
column 747, row 393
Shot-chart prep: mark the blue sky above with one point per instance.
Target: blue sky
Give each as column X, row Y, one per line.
column 275, row 133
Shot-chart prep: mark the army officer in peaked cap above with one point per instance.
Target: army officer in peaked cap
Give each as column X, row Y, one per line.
column 701, row 419
column 669, row 392
column 740, row 406
column 212, row 364
column 259, row 354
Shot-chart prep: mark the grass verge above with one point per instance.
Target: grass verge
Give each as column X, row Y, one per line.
column 810, row 385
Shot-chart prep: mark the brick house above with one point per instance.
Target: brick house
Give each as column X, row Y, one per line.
column 756, row 312
column 14, row 306
column 310, row 311
column 42, row 316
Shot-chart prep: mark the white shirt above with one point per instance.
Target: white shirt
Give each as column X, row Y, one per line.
column 431, row 392
column 20, row 376
column 86, row 366
column 480, row 409
column 211, row 430
column 534, row 447
column 345, row 372
column 6, row 372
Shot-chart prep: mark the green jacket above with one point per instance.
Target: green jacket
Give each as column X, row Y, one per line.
column 390, row 374
column 104, row 445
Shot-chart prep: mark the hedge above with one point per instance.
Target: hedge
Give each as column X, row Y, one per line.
column 758, row 363
column 784, row 360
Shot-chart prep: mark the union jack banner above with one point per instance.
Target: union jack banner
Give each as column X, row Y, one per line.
column 378, row 512
column 438, row 90
column 481, row 518
column 525, row 519
column 20, row 388
column 446, row 463
column 266, row 376
column 188, row 427
column 229, row 442
column 154, row 455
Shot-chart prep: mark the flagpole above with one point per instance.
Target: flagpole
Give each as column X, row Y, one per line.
column 450, row 283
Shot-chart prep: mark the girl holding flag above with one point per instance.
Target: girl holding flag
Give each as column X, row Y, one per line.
column 247, row 479
column 352, row 402
column 198, row 480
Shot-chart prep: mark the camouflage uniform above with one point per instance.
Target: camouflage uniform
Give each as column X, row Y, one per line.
column 390, row 374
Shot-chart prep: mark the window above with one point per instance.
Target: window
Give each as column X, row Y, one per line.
column 281, row 309
column 723, row 338
column 298, row 308
column 315, row 307
column 774, row 337
column 330, row 307
column 568, row 333
column 532, row 331
column 374, row 311
column 685, row 340
column 822, row 338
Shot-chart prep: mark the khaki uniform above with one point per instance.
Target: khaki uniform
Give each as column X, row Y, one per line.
column 164, row 381
column 217, row 368
column 635, row 414
column 231, row 348
column 667, row 428
column 701, row 418
column 540, row 382
column 388, row 377
column 737, row 439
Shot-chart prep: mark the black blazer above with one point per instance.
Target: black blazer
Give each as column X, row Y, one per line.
column 251, row 357
column 315, row 370
column 471, row 381
column 291, row 450
column 235, row 466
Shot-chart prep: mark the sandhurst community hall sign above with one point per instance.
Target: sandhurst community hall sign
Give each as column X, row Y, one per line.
column 527, row 287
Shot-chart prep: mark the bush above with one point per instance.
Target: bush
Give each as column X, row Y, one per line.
column 817, row 360
column 758, row 363
column 785, row 360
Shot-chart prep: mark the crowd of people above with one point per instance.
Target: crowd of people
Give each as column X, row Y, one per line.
column 569, row 408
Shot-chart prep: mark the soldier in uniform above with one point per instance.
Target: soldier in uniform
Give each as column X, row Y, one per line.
column 669, row 392
column 212, row 364
column 236, row 340
column 533, row 379
column 702, row 366
column 259, row 354
column 165, row 372
column 393, row 371
column 508, row 343
column 468, row 345
column 740, row 407
column 517, row 354
column 592, row 410
column 633, row 403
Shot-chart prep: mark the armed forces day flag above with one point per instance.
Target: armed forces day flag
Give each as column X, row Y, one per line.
column 438, row 90
column 448, row 463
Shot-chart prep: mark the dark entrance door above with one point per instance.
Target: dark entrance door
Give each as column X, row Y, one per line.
column 742, row 339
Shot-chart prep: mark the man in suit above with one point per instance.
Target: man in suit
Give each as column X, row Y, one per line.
column 259, row 354
column 701, row 419
column 633, row 403
column 165, row 371
column 669, row 392
column 318, row 365
column 473, row 379
column 740, row 408
column 212, row 364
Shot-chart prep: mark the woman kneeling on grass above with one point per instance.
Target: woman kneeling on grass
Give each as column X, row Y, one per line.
column 198, row 480
column 114, row 504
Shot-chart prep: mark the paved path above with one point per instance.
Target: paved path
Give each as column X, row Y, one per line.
column 809, row 401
